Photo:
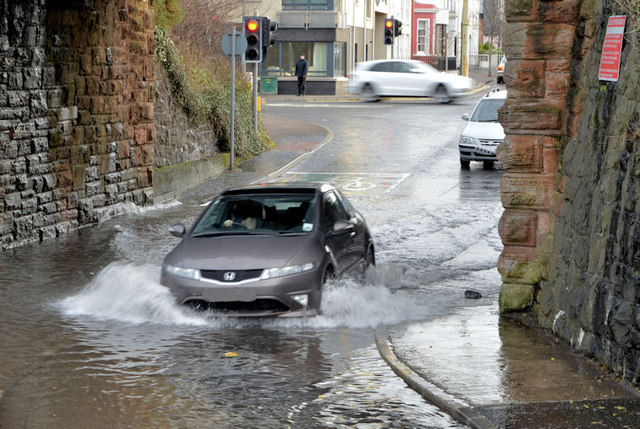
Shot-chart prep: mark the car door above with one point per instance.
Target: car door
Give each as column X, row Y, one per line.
column 340, row 243
column 406, row 80
column 382, row 77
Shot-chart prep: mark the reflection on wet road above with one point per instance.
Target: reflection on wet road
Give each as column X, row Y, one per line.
column 91, row 339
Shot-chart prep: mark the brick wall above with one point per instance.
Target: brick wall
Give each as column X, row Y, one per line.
column 76, row 113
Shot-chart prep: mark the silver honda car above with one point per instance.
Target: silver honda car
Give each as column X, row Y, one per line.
column 267, row 250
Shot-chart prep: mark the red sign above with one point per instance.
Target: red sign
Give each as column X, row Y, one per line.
column 610, row 59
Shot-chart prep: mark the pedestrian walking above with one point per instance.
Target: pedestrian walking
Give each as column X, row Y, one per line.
column 302, row 67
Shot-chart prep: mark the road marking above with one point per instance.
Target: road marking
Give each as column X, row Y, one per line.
column 349, row 183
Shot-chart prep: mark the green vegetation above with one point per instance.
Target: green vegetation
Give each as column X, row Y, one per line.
column 167, row 13
column 483, row 48
column 205, row 94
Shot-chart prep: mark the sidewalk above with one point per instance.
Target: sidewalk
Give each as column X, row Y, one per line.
column 489, row 371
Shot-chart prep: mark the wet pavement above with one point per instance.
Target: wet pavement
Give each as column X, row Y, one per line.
column 491, row 371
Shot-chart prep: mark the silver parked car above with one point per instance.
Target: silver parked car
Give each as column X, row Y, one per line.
column 405, row 78
column 483, row 133
column 267, row 250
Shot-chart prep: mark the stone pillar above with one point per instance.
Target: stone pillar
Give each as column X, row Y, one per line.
column 539, row 45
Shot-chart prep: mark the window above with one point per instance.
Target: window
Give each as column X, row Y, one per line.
column 282, row 58
column 487, row 110
column 307, row 4
column 333, row 211
column 441, row 37
column 339, row 59
column 386, row 67
column 422, row 41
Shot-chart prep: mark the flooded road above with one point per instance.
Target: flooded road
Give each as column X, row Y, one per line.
column 91, row 339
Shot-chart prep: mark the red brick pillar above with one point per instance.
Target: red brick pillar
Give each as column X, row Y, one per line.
column 539, row 42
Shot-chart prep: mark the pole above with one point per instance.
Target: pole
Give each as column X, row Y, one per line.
column 233, row 97
column 464, row 46
column 446, row 50
column 255, row 99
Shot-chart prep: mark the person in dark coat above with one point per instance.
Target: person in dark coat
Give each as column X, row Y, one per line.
column 302, row 67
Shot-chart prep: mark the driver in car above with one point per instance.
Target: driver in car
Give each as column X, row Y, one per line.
column 247, row 214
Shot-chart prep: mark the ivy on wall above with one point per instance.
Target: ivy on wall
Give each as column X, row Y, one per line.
column 205, row 95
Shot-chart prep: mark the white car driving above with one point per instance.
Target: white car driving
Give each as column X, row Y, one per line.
column 373, row 80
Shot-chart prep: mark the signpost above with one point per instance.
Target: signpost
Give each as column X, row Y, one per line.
column 233, row 44
column 612, row 49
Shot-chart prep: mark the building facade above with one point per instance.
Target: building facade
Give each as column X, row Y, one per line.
column 333, row 34
column 437, row 29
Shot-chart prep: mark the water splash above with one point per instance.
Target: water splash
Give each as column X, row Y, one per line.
column 129, row 293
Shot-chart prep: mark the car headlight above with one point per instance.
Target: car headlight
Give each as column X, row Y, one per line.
column 270, row 273
column 468, row 140
column 189, row 273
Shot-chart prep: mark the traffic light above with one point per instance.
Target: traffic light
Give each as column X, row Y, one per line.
column 252, row 28
column 389, row 31
column 396, row 28
column 268, row 38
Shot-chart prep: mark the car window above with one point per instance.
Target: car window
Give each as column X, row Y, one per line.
column 347, row 205
column 385, row 67
column 333, row 211
column 262, row 213
column 487, row 110
column 402, row 67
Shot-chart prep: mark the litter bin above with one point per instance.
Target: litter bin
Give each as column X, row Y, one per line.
column 269, row 85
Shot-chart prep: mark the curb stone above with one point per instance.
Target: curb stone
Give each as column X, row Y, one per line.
column 453, row 406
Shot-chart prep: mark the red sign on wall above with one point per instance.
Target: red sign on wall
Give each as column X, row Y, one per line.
column 610, row 59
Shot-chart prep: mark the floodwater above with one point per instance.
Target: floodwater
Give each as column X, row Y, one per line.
column 91, row 339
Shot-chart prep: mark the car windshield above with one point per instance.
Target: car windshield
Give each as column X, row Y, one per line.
column 258, row 214
column 487, row 110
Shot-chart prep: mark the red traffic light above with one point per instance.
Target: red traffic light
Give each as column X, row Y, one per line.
column 252, row 25
column 388, row 23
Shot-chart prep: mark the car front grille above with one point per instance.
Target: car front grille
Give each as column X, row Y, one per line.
column 490, row 142
column 238, row 308
column 230, row 276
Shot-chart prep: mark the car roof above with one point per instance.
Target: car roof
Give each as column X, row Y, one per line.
column 371, row 63
column 496, row 93
column 279, row 187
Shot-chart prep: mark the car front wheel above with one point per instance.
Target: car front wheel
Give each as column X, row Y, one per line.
column 370, row 257
column 465, row 164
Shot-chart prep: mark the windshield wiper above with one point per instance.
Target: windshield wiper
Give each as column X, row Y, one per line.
column 221, row 233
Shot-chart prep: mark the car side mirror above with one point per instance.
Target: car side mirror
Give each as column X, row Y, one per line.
column 178, row 230
column 341, row 227
column 465, row 116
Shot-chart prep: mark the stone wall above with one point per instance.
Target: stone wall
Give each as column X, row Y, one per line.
column 571, row 225
column 186, row 154
column 76, row 113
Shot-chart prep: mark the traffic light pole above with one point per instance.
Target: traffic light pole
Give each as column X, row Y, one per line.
column 233, row 98
column 255, row 99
